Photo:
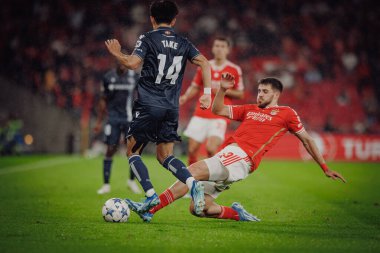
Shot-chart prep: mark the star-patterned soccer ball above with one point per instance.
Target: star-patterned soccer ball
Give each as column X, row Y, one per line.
column 116, row 210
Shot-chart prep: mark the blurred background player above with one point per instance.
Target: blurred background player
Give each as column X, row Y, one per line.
column 164, row 55
column 204, row 125
column 118, row 93
column 262, row 125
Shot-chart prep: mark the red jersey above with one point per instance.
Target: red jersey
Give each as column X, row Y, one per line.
column 216, row 73
column 262, row 128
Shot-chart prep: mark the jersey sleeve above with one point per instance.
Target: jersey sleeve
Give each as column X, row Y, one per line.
column 197, row 80
column 141, row 47
column 237, row 112
column 294, row 123
column 193, row 52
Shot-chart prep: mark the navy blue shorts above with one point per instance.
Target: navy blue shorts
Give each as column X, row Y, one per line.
column 154, row 124
column 113, row 130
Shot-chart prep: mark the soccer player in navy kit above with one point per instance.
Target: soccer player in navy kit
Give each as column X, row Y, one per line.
column 118, row 94
column 164, row 55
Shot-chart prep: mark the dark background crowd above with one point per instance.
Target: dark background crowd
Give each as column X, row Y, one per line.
column 325, row 52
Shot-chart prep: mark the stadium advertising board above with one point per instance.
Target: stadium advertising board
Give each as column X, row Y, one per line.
column 333, row 147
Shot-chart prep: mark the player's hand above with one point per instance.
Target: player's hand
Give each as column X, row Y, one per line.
column 334, row 175
column 205, row 101
column 113, row 46
column 227, row 81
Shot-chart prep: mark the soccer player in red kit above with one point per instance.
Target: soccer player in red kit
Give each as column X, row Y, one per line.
column 205, row 125
column 262, row 125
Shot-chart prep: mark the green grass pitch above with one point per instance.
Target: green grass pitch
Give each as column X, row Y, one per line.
column 49, row 204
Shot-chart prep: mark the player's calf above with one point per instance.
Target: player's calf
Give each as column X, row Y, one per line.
column 141, row 172
column 177, row 168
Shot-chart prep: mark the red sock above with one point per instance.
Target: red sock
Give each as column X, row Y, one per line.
column 165, row 199
column 228, row 213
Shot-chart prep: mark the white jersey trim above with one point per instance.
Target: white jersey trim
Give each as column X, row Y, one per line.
column 300, row 131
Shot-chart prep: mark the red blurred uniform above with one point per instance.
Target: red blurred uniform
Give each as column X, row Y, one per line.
column 216, row 73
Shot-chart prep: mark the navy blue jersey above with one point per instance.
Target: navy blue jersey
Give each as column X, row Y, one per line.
column 119, row 93
column 165, row 55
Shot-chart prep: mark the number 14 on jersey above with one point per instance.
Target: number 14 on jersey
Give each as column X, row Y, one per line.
column 173, row 70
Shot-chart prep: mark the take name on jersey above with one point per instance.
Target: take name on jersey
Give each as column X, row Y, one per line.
column 170, row 44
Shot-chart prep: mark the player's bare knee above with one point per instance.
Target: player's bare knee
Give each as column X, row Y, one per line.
column 160, row 156
column 194, row 171
column 134, row 147
column 163, row 151
column 129, row 152
column 197, row 170
column 130, row 143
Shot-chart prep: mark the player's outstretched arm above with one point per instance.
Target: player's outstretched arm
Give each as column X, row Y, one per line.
column 202, row 62
column 218, row 106
column 129, row 61
column 313, row 150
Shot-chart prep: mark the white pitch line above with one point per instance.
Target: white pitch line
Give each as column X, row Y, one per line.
column 38, row 165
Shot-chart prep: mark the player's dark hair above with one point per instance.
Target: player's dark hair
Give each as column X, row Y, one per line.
column 225, row 39
column 163, row 11
column 274, row 82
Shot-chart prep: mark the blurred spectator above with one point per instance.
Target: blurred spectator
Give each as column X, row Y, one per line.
column 343, row 98
column 56, row 47
column 329, row 126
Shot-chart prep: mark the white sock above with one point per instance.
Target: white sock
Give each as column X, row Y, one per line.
column 189, row 182
column 150, row 193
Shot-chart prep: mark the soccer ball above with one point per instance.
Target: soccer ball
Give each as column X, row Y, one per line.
column 115, row 210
